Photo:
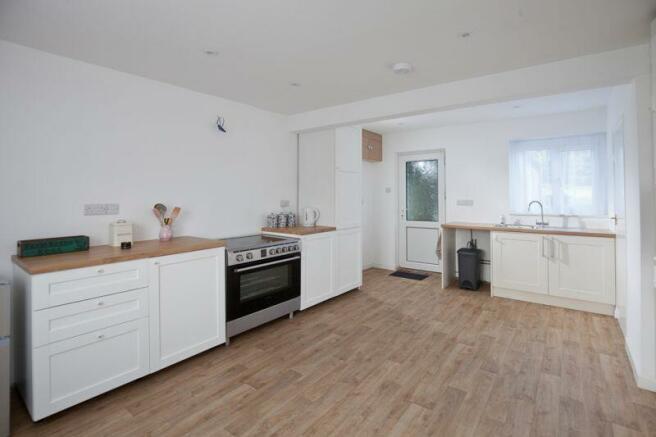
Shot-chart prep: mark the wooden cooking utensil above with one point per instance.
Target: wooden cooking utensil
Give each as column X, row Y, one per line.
column 159, row 216
column 175, row 214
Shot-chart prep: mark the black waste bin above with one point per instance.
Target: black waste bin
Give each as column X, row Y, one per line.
column 469, row 268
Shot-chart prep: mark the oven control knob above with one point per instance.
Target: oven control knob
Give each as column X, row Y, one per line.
column 239, row 258
column 272, row 251
column 249, row 256
column 284, row 249
column 296, row 247
column 278, row 250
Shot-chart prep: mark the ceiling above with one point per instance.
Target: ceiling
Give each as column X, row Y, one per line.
column 339, row 51
column 570, row 102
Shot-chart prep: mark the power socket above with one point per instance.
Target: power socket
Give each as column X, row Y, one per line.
column 101, row 209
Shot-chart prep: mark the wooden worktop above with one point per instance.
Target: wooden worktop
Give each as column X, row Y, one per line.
column 548, row 230
column 300, row 230
column 98, row 255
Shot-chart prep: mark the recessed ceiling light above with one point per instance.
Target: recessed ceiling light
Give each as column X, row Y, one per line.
column 402, row 68
column 211, row 52
column 464, row 34
column 294, row 84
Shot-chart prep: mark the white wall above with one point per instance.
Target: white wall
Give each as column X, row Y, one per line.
column 72, row 133
column 476, row 169
column 630, row 103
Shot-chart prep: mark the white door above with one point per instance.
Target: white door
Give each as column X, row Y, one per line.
column 187, row 305
column 582, row 268
column 318, row 269
column 421, row 202
column 520, row 261
column 620, row 223
column 348, row 260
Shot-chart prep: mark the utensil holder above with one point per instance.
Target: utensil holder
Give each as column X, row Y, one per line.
column 165, row 233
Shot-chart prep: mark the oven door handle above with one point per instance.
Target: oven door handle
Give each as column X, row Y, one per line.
column 259, row 266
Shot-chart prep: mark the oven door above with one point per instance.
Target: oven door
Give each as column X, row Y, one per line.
column 258, row 285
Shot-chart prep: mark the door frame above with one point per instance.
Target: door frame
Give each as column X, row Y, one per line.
column 620, row 240
column 397, row 203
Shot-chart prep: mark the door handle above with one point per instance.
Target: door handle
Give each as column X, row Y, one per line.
column 552, row 250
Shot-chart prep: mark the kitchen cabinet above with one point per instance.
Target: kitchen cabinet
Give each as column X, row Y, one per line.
column 187, row 305
column 84, row 331
column 582, row 268
column 331, row 264
column 68, row 372
column 330, row 175
column 348, row 260
column 519, row 262
column 564, row 270
column 372, row 146
column 348, row 199
column 317, row 268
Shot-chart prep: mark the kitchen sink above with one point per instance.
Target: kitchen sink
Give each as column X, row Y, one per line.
column 519, row 226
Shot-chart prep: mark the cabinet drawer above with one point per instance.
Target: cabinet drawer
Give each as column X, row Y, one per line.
column 66, row 321
column 68, row 286
column 71, row 371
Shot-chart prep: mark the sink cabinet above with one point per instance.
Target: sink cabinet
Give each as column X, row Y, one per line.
column 520, row 262
column 572, row 271
column 582, row 268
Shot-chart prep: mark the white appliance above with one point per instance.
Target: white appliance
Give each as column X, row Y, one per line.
column 120, row 231
column 5, row 331
column 309, row 217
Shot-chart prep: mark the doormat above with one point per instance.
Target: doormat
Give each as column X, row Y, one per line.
column 408, row 275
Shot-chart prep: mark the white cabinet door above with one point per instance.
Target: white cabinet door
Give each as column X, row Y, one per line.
column 348, row 260
column 316, row 174
column 317, row 269
column 71, row 371
column 519, row 262
column 348, row 149
column 348, row 199
column 583, row 268
column 187, row 305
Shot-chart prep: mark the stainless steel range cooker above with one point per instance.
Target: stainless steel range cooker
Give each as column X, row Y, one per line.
column 263, row 280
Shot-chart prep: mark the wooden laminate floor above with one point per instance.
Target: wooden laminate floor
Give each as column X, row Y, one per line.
column 399, row 357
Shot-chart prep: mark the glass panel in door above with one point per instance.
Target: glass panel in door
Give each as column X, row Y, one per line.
column 422, row 190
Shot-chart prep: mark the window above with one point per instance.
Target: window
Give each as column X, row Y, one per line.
column 568, row 175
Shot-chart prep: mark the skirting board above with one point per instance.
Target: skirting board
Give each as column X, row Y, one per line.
column 573, row 304
column 379, row 266
column 644, row 383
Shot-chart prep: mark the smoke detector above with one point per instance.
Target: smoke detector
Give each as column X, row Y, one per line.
column 402, row 68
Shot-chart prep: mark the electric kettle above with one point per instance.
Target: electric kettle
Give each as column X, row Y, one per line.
column 309, row 217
